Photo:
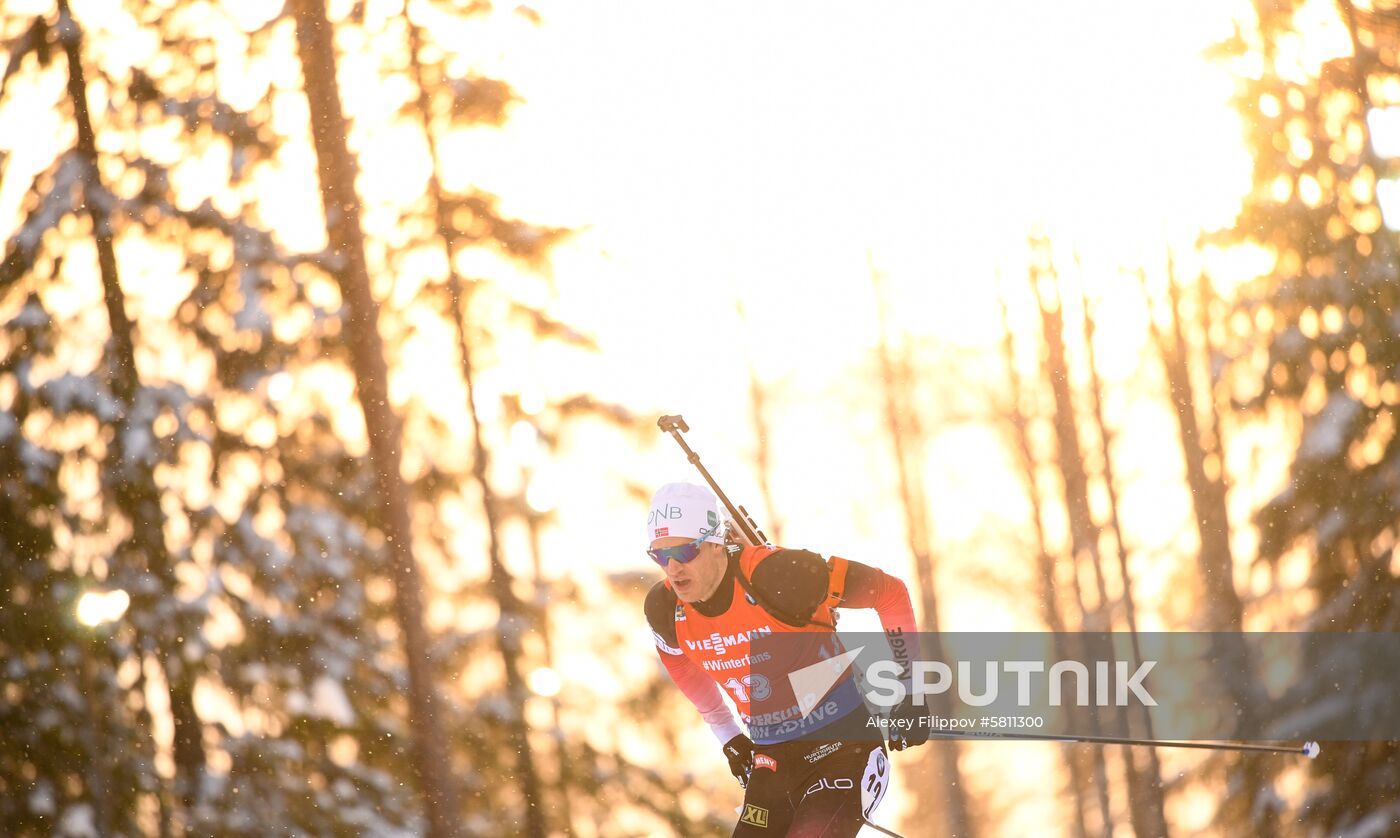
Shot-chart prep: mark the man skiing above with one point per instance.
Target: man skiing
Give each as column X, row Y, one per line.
column 822, row 776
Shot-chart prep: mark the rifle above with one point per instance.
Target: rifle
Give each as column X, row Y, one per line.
column 675, row 426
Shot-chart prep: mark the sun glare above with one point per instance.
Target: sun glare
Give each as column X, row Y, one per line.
column 97, row 608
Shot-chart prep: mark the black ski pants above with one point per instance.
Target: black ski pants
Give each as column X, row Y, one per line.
column 813, row 789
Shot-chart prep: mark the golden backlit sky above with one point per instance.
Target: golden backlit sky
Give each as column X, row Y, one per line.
column 762, row 151
column 765, row 152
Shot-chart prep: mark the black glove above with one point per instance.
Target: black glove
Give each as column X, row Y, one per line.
column 739, row 752
column 913, row 728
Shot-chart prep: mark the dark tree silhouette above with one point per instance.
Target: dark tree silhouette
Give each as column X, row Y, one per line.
column 1316, row 336
column 342, row 206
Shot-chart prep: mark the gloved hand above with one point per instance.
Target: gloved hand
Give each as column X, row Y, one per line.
column 913, row 728
column 739, row 752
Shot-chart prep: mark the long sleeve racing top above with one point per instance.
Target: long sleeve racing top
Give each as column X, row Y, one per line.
column 791, row 582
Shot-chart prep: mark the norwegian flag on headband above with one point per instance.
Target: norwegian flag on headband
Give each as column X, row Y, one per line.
column 661, row 532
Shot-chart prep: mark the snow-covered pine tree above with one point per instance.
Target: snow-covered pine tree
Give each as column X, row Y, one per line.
column 1316, row 340
column 60, row 710
column 264, row 509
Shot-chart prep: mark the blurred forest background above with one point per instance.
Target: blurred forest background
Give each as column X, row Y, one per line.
column 333, row 336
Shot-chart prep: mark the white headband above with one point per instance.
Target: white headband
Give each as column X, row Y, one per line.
column 684, row 510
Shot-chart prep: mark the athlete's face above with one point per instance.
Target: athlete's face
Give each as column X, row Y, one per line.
column 697, row 579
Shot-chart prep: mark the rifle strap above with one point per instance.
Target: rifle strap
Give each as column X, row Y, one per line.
column 778, row 613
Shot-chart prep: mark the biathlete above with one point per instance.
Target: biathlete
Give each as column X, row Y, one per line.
column 817, row 773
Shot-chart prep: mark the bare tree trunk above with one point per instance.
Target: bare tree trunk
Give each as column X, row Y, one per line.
column 136, row 494
column 342, row 206
column 907, row 438
column 1084, row 533
column 514, row 617
column 1224, row 612
column 1144, row 774
column 1207, row 491
column 1213, row 433
column 562, row 791
column 1045, row 564
column 758, row 413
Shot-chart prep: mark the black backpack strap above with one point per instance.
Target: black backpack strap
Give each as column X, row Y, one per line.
column 777, row 613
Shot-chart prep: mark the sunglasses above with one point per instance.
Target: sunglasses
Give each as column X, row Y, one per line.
column 684, row 553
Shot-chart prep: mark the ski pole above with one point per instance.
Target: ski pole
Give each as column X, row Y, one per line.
column 1307, row 749
column 878, row 828
column 675, row 425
